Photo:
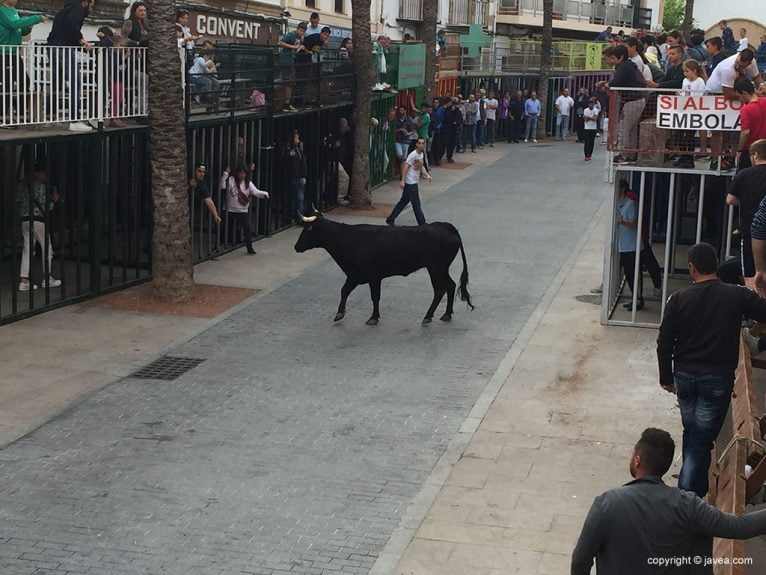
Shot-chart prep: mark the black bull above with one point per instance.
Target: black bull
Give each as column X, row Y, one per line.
column 368, row 253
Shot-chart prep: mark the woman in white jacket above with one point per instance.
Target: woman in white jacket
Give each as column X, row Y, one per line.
column 239, row 188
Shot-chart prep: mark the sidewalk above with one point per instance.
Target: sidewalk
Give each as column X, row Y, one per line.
column 572, row 397
column 51, row 361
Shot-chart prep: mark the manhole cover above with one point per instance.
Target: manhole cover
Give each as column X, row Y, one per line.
column 167, row 368
column 594, row 299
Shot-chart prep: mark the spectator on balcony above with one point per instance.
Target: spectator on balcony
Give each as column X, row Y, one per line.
column 188, row 39
column 744, row 43
column 202, row 76
column 605, row 36
column 136, row 26
column 313, row 27
column 661, row 41
column 346, row 49
column 469, row 126
column 515, row 117
column 697, row 353
column 626, row 75
column 697, row 48
column 761, row 52
column 491, row 105
column 564, row 104
column 722, row 80
column 650, row 50
column 752, row 117
column 531, row 113
column 12, row 28
column 114, row 62
column 239, row 189
column 674, row 76
column 66, row 32
column 675, row 38
column 714, row 46
column 35, row 205
column 290, row 44
column 441, row 43
column 619, row 37
column 635, row 53
column 727, row 36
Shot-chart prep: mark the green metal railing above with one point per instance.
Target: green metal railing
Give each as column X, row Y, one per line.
column 521, row 56
column 382, row 154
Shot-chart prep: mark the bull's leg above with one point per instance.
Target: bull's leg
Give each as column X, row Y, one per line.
column 440, row 286
column 347, row 288
column 375, row 295
column 450, row 299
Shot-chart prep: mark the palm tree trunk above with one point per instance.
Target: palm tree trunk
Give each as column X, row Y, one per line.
column 688, row 19
column 359, row 191
column 171, row 256
column 428, row 35
column 546, row 60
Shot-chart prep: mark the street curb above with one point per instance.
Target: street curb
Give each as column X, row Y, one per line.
column 416, row 512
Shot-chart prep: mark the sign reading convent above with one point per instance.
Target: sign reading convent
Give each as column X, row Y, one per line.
column 233, row 28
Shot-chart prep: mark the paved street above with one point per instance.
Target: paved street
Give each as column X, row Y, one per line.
column 298, row 444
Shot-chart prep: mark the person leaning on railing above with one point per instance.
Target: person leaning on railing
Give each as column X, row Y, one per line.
column 12, row 28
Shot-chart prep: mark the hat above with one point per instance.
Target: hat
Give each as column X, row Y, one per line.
column 482, row 91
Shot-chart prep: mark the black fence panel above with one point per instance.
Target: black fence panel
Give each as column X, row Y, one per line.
column 75, row 219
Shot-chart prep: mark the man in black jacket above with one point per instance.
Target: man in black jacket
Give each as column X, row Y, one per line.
column 647, row 527
column 66, row 31
column 697, row 352
column 674, row 77
column 453, row 120
column 515, row 116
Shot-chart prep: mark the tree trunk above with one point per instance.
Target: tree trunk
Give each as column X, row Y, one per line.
column 428, row 35
column 171, row 256
column 546, row 61
column 360, row 195
column 688, row 19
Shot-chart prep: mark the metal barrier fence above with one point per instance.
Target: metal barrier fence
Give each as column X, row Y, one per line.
column 524, row 56
column 382, row 126
column 48, row 84
column 665, row 129
column 674, row 211
column 75, row 219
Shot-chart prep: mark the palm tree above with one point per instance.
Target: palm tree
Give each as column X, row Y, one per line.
column 428, row 35
column 360, row 195
column 546, row 60
column 688, row 18
column 172, row 259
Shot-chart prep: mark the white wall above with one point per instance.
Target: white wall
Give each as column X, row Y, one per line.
column 710, row 12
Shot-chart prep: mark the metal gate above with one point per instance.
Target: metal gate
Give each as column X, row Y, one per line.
column 75, row 218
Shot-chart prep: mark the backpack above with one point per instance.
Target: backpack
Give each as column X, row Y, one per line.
column 257, row 98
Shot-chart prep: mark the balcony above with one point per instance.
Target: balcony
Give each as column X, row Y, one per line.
column 607, row 12
column 411, row 10
column 523, row 56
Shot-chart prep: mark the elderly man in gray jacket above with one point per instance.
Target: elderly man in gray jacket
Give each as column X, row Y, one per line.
column 647, row 527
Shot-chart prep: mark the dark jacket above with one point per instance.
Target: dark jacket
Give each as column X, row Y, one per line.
column 296, row 160
column 645, row 519
column 673, row 78
column 516, row 108
column 67, row 24
column 453, row 119
column 626, row 75
column 700, row 329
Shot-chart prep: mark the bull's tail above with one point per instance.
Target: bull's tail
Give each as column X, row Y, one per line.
column 464, row 295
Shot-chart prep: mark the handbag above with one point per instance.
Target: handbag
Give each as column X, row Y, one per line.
column 242, row 197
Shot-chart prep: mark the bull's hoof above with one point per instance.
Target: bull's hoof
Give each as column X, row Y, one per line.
column 446, row 317
column 340, row 315
column 426, row 320
column 372, row 321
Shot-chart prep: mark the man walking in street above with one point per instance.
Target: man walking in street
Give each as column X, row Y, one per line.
column 697, row 352
column 66, row 32
column 412, row 169
column 631, row 529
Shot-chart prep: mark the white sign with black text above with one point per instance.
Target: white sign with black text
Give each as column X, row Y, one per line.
column 675, row 112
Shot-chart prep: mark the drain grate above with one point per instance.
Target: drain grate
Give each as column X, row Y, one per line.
column 167, row 368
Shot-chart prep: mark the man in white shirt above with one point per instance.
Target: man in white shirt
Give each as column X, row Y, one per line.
column 412, row 168
column 564, row 104
column 634, row 47
column 722, row 81
column 313, row 27
column 490, row 106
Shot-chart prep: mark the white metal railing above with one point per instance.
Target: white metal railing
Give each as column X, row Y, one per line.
column 411, row 10
column 608, row 12
column 49, row 84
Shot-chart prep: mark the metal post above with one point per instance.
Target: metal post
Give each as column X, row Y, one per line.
column 700, row 208
column 637, row 279
column 668, row 234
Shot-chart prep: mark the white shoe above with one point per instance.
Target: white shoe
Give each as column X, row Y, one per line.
column 535, row 141
column 52, row 282
column 24, row 286
column 79, row 127
column 750, row 341
column 526, row 141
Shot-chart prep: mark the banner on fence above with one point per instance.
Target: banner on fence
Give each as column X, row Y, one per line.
column 412, row 66
column 697, row 113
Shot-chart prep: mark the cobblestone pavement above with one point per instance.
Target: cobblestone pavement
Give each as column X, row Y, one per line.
column 297, row 445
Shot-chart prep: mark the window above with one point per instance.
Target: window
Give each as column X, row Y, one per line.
column 311, row 3
column 339, row 6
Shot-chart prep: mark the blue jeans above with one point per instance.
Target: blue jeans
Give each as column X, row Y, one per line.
column 297, row 191
column 66, row 69
column 531, row 126
column 469, row 136
column 704, row 400
column 410, row 194
column 562, row 126
column 490, row 137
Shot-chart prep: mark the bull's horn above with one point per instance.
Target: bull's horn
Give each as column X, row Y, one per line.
column 314, row 209
column 307, row 220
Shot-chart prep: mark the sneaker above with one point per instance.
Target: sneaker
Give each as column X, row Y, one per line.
column 534, row 141
column 52, row 282
column 390, row 223
column 587, row 158
column 620, row 159
column 751, row 342
column 714, row 166
column 24, row 286
column 117, row 123
column 79, row 127
column 599, row 289
column 629, row 306
column 526, row 141
column 725, row 166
